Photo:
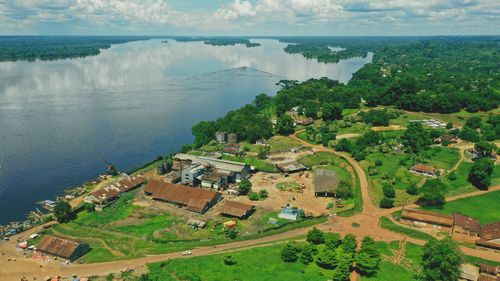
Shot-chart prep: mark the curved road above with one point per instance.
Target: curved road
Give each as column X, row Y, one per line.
column 368, row 221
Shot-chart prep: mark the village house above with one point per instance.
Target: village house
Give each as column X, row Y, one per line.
column 194, row 199
column 236, row 209
column 468, row 272
column 325, row 183
column 489, row 272
column 426, row 219
column 304, row 121
column 490, row 236
column 446, row 138
column 62, row 248
column 291, row 167
column 214, row 180
column 465, row 228
column 232, row 149
column 424, row 170
column 111, row 192
column 235, row 171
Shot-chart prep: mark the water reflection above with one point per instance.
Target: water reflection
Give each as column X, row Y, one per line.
column 130, row 103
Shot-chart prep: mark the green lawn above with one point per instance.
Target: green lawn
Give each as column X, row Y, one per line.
column 321, row 158
column 259, row 164
column 118, row 210
column 148, row 227
column 442, row 157
column 462, row 185
column 283, row 144
column 484, row 208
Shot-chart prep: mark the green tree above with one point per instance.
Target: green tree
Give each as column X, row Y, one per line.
column 263, row 194
column 262, row 100
column 343, row 145
column 389, row 191
column 315, row 236
column 412, row 189
column 253, row 196
column 474, row 122
column 349, row 244
column 416, row 138
column 203, row 132
column 284, row 125
column 290, row 252
column 449, row 125
column 332, row 240
column 386, row 203
column 232, row 233
column 343, row 270
column 344, row 190
column 63, row 212
column 441, row 261
column 433, row 193
column 331, row 111
column 229, row 260
column 244, row 187
column 307, row 254
column 311, row 109
column 368, row 258
column 480, row 173
column 469, row 134
column 327, row 258
column 263, row 152
column 484, row 149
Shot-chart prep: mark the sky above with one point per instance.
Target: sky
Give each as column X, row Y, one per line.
column 252, row 17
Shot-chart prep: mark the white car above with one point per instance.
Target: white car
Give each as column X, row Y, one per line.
column 187, row 253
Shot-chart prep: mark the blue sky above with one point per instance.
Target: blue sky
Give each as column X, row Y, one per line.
column 255, row 17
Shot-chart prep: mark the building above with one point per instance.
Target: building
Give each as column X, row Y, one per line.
column 448, row 139
column 163, row 168
column 424, row 170
column 111, row 192
column 465, row 228
column 325, row 183
column 191, row 175
column 291, row 167
column 468, row 272
column 194, row 199
column 235, row 171
column 232, row 149
column 62, row 248
column 489, row 272
column 490, row 236
column 289, row 213
column 232, row 138
column 221, row 137
column 196, row 223
column 304, row 121
column 426, row 219
column 236, row 209
column 214, row 180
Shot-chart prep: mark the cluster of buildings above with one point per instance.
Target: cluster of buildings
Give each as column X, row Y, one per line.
column 433, row 123
column 484, row 272
column 461, row 227
column 110, row 193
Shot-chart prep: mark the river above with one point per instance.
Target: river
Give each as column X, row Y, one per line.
column 131, row 103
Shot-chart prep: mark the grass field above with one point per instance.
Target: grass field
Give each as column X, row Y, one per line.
column 259, row 164
column 462, row 185
column 282, row 144
column 120, row 209
column 484, row 208
column 321, row 158
column 442, row 157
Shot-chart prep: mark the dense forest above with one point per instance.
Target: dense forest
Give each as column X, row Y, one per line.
column 30, row 48
column 218, row 41
column 430, row 74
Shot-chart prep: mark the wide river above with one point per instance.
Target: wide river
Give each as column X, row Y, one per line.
column 131, row 103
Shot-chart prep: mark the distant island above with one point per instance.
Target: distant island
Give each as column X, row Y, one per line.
column 219, row 41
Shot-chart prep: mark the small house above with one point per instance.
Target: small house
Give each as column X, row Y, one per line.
column 230, row 224
column 291, row 167
column 426, row 219
column 469, row 272
column 232, row 148
column 489, row 272
column 289, row 213
column 214, row 180
column 465, row 228
column 304, row 121
column 63, row 248
column 236, row 209
column 424, row 170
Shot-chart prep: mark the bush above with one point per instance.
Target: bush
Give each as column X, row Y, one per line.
column 229, row 260
column 244, row 187
column 315, row 236
column 412, row 189
column 389, row 191
column 254, row 196
column 344, row 190
column 452, row 176
column 379, row 162
column 290, row 252
column 386, row 203
column 263, row 194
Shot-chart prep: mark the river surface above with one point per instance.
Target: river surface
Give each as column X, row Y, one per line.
column 131, row 103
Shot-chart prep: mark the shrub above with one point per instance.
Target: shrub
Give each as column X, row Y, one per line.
column 229, row 260
column 389, row 191
column 379, row 162
column 290, row 252
column 263, row 194
column 254, row 196
column 386, row 203
column 315, row 236
column 412, row 189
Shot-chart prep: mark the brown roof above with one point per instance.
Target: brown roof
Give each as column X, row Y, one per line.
column 487, row 244
column 487, row 278
column 305, row 121
column 58, row 246
column 490, row 231
column 447, row 137
column 152, row 186
column 194, row 198
column 113, row 190
column 212, row 177
column 489, row 269
column 466, row 222
column 427, row 216
column 236, row 209
column 424, row 168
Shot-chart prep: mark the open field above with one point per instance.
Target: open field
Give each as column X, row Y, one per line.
column 442, row 157
column 484, row 208
column 259, row 164
column 282, row 144
column 462, row 185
